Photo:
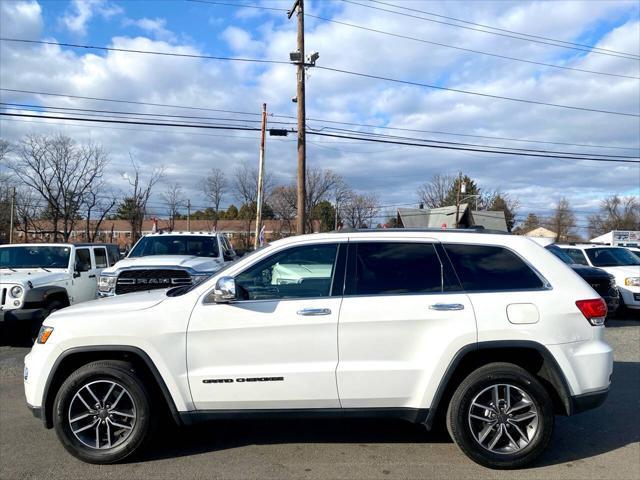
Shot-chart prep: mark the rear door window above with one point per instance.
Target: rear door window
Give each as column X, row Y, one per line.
column 101, row 257
column 577, row 256
column 491, row 268
column 395, row 268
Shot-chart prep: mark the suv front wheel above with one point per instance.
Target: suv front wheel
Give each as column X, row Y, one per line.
column 102, row 412
column 501, row 416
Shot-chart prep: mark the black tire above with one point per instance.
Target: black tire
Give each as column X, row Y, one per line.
column 459, row 423
column 95, row 374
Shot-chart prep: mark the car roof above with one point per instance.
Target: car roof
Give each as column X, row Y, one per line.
column 586, row 245
column 181, row 233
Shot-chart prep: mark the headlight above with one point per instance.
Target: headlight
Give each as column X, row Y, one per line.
column 632, row 281
column 44, row 334
column 106, row 283
column 16, row 291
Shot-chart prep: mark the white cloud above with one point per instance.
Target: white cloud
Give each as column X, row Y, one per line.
column 80, row 13
column 154, row 26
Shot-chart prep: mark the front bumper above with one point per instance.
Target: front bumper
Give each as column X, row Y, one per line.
column 630, row 296
column 35, row 411
column 23, row 315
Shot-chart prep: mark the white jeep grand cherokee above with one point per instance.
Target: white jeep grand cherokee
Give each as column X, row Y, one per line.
column 491, row 332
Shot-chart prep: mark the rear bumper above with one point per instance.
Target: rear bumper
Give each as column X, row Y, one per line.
column 588, row 401
column 23, row 315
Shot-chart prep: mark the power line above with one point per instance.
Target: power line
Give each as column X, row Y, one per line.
column 504, row 57
column 628, row 56
column 386, row 127
column 146, row 52
column 367, row 139
column 92, row 114
column 336, row 70
column 445, row 147
column 468, row 92
column 116, row 112
column 430, row 42
column 592, row 47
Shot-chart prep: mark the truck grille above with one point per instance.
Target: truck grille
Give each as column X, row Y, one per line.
column 153, row 279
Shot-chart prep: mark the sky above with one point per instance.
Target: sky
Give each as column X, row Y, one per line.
column 393, row 172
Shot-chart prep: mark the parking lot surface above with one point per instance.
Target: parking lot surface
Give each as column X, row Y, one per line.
column 602, row 443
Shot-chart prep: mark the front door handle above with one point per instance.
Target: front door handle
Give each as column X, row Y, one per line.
column 312, row 312
column 446, row 307
column 92, row 276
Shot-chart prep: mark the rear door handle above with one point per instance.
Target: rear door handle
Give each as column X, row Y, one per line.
column 312, row 312
column 92, row 276
column 446, row 307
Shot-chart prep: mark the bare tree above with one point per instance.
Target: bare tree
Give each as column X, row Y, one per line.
column 283, row 203
column 214, row 187
column 563, row 220
column 134, row 207
column 245, row 190
column 97, row 207
column 61, row 172
column 28, row 210
column 174, row 199
column 434, row 193
column 360, row 210
column 616, row 213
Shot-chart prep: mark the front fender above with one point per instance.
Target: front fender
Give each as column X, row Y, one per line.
column 38, row 297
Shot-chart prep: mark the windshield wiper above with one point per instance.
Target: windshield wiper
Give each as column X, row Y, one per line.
column 45, row 269
column 9, row 268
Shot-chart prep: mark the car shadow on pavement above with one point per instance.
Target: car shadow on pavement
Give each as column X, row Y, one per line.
column 621, row 323
column 223, row 435
column 609, row 427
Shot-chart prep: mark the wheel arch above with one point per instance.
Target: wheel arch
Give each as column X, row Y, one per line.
column 532, row 356
column 74, row 358
column 39, row 297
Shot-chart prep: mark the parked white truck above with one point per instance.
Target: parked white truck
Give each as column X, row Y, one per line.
column 163, row 260
column 38, row 279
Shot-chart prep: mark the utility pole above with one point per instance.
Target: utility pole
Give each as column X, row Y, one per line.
column 458, row 200
column 302, row 149
column 260, row 177
column 13, row 208
column 189, row 215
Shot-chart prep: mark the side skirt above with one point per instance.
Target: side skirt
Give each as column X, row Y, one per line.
column 413, row 415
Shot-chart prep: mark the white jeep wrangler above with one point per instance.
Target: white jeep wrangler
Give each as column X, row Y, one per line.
column 491, row 332
column 162, row 260
column 38, row 279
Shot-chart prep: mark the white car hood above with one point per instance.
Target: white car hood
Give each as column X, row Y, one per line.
column 131, row 302
column 623, row 272
column 36, row 276
column 200, row 264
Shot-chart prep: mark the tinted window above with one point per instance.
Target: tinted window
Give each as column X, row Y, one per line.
column 561, row 254
column 612, row 257
column 197, row 245
column 482, row 267
column 298, row 272
column 83, row 260
column 388, row 268
column 34, row 257
column 101, row 257
column 577, row 256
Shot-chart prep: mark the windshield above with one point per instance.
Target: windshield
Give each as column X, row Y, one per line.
column 196, row 245
column 34, row 257
column 611, row 257
column 561, row 255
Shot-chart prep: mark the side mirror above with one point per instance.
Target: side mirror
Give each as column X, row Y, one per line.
column 228, row 258
column 225, row 290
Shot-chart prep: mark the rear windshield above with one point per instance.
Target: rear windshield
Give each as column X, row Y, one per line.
column 611, row 257
column 195, row 245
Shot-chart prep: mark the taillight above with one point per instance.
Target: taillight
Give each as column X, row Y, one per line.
column 593, row 310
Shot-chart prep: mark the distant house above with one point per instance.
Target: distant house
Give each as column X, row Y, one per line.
column 445, row 217
column 541, row 232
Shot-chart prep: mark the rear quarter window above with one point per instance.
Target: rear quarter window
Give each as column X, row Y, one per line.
column 491, row 268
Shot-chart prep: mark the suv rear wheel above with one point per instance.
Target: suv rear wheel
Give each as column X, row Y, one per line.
column 102, row 412
column 501, row 416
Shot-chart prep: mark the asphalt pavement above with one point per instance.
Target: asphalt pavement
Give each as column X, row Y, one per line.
column 602, row 443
